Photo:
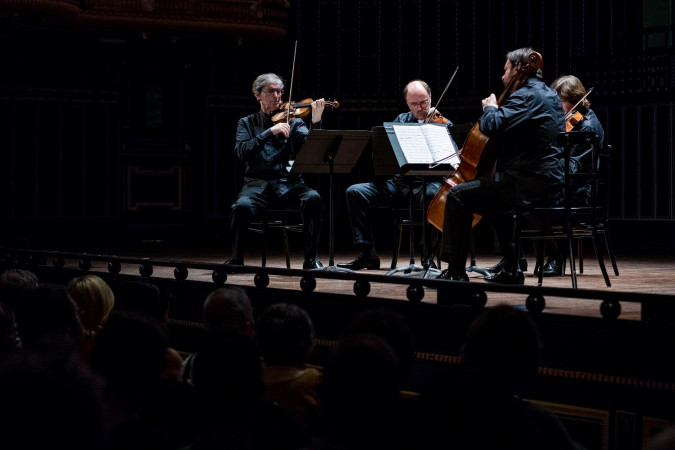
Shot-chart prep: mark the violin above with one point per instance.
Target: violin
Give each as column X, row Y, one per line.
column 572, row 119
column 299, row 110
column 435, row 116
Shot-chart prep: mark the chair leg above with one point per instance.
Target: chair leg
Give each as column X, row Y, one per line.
column 570, row 250
column 287, row 248
column 598, row 254
column 539, row 264
column 264, row 243
column 580, row 253
column 608, row 245
column 397, row 246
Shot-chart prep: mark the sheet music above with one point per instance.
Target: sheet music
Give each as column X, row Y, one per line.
column 413, row 144
column 426, row 143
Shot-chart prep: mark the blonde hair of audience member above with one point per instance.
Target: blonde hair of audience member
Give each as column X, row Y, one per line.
column 95, row 300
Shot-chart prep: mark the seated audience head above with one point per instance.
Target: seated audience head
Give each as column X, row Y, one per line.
column 285, row 335
column 15, row 283
column 46, row 312
column 9, row 335
column 392, row 327
column 130, row 354
column 148, row 298
column 50, row 400
column 228, row 312
column 359, row 395
column 94, row 298
column 504, row 345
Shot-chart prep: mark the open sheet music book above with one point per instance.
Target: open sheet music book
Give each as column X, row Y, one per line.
column 418, row 145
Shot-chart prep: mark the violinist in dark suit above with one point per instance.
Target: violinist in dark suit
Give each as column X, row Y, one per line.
column 571, row 91
column 529, row 167
column 265, row 149
column 362, row 197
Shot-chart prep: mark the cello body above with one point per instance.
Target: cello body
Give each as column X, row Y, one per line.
column 478, row 154
column 478, row 157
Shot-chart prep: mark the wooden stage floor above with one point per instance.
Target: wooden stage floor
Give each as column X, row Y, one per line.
column 639, row 273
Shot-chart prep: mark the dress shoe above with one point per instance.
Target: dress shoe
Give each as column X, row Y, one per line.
column 447, row 275
column 361, row 262
column 506, row 277
column 312, row 264
column 500, row 265
column 234, row 261
column 553, row 268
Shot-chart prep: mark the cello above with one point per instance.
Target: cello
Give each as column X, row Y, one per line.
column 478, row 152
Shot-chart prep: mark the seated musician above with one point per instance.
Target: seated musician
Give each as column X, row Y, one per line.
column 571, row 91
column 385, row 193
column 529, row 168
column 266, row 148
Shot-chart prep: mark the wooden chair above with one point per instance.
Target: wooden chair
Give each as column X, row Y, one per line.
column 573, row 221
column 276, row 218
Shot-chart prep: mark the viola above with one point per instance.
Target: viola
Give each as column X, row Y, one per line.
column 478, row 152
column 571, row 120
column 299, row 110
column 436, row 117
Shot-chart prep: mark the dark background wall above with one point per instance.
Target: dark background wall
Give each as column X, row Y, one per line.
column 131, row 133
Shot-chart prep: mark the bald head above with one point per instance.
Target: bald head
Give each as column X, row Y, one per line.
column 417, row 95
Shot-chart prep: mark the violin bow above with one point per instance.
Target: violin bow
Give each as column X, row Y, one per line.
column 290, row 91
column 443, row 93
column 573, row 108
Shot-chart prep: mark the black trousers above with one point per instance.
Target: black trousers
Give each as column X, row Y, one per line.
column 496, row 195
column 292, row 196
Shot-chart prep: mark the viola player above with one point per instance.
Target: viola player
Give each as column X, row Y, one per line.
column 571, row 91
column 265, row 149
column 362, row 197
column 529, row 167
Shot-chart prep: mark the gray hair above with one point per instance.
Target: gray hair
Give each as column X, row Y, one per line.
column 519, row 57
column 264, row 80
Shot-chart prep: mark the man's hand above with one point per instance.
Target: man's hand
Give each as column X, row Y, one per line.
column 281, row 127
column 317, row 110
column 490, row 101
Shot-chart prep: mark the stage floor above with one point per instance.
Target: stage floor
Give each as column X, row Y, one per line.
column 639, row 273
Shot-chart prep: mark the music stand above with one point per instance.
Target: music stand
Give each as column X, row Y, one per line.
column 389, row 159
column 331, row 151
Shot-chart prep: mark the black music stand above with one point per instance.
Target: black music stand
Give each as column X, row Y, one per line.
column 389, row 159
column 331, row 151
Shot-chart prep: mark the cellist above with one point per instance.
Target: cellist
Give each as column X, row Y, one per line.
column 529, row 167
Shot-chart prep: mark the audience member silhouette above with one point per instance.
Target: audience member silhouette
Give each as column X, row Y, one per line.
column 50, row 400
column 481, row 406
column 359, row 396
column 228, row 388
column 14, row 284
column 95, row 300
column 285, row 335
column 9, row 334
column 129, row 353
column 227, row 312
column 390, row 326
column 47, row 312
column 155, row 301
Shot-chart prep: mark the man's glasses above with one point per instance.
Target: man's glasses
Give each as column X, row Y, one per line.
column 274, row 91
column 422, row 104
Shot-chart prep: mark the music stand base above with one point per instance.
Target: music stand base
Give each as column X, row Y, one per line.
column 332, row 269
column 479, row 270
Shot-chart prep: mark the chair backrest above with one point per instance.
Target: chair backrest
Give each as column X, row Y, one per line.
column 580, row 182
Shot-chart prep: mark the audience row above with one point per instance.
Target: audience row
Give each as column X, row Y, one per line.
column 85, row 369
